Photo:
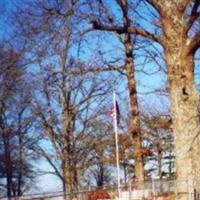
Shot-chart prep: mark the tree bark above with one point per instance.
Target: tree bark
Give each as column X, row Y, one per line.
column 184, row 99
column 135, row 122
column 134, row 129
column 184, row 103
column 65, row 181
column 70, row 180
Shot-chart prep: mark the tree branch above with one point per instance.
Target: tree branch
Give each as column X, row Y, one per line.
column 122, row 30
column 111, row 28
column 97, row 70
column 84, row 71
column 155, row 3
column 193, row 17
column 49, row 159
column 147, row 35
column 194, row 43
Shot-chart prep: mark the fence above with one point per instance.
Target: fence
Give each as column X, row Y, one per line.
column 150, row 190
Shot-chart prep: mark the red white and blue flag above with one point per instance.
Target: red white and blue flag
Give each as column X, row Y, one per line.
column 114, row 112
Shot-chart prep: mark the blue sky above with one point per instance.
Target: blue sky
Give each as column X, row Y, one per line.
column 111, row 48
column 5, row 9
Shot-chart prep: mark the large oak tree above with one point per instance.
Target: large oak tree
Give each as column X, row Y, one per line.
column 179, row 36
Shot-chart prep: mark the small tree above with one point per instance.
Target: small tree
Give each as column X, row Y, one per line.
column 15, row 123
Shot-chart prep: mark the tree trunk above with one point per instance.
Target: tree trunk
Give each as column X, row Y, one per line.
column 130, row 74
column 159, row 160
column 184, row 103
column 8, row 164
column 135, row 121
column 20, row 170
column 70, row 181
column 125, row 172
column 67, row 181
column 65, row 185
column 69, row 170
column 183, row 95
column 135, row 130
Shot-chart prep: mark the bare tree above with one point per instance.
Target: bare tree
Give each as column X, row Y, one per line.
column 15, row 124
column 108, row 23
column 64, row 111
column 67, row 95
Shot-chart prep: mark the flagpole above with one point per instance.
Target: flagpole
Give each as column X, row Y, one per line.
column 116, row 142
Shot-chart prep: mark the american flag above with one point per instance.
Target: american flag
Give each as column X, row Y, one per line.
column 115, row 113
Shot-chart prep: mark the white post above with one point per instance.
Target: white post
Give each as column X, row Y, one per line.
column 116, row 142
column 153, row 189
column 190, row 188
column 130, row 190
